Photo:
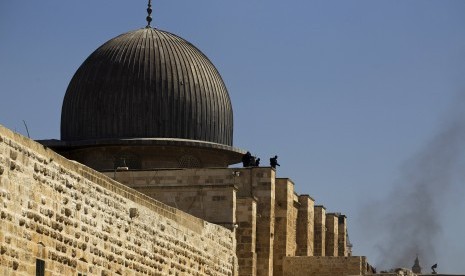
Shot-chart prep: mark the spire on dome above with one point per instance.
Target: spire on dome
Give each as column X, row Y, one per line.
column 149, row 12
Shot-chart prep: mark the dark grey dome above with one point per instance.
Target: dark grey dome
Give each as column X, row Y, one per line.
column 147, row 83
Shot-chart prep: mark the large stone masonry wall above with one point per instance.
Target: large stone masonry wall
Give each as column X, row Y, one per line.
column 324, row 266
column 196, row 191
column 78, row 220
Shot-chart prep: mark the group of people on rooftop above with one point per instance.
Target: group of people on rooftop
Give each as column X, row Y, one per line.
column 252, row 161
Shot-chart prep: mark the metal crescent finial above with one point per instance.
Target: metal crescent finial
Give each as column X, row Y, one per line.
column 149, row 16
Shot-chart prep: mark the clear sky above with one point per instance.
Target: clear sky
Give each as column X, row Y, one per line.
column 353, row 96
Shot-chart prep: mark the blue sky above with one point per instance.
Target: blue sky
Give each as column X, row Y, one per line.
column 346, row 93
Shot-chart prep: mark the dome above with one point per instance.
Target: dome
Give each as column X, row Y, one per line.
column 147, row 83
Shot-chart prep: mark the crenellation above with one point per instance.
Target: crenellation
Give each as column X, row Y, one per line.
column 89, row 223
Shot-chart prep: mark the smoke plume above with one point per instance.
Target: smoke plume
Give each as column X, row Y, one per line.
column 407, row 222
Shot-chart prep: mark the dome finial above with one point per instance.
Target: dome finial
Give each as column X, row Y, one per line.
column 149, row 16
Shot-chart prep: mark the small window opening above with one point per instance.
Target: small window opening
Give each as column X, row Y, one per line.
column 40, row 267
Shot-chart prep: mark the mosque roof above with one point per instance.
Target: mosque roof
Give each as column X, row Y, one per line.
column 147, row 83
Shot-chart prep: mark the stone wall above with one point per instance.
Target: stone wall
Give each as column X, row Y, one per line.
column 332, row 234
column 342, row 236
column 271, row 222
column 324, row 266
column 246, row 236
column 305, row 225
column 206, row 194
column 78, row 220
column 285, row 224
column 211, row 195
column 263, row 188
column 320, row 231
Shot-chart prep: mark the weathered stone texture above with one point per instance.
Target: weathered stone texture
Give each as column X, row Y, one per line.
column 264, row 190
column 331, row 234
column 305, row 225
column 342, row 236
column 246, row 236
column 320, row 231
column 211, row 195
column 216, row 204
column 285, row 223
column 78, row 220
column 324, row 266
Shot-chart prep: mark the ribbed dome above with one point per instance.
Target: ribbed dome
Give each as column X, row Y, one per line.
column 147, row 83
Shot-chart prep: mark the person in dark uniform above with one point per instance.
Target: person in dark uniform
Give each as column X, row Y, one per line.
column 274, row 162
column 246, row 159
